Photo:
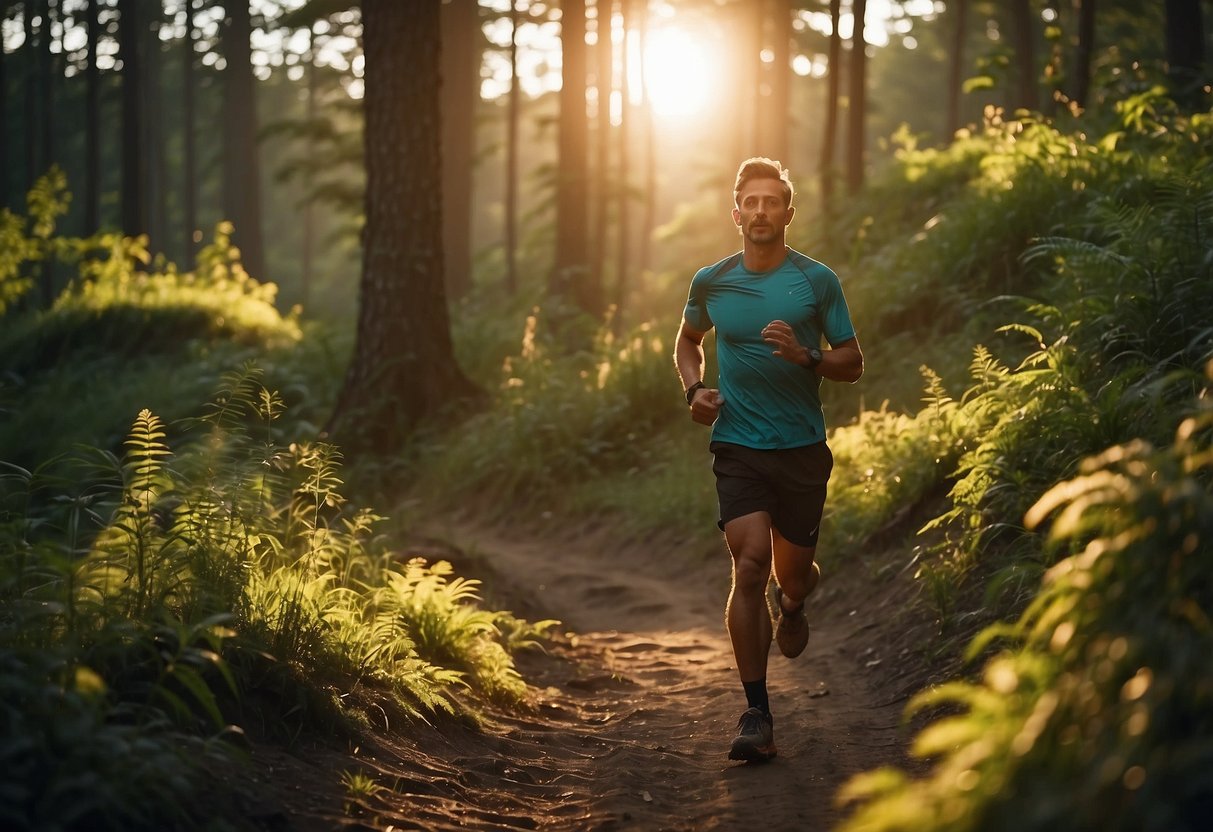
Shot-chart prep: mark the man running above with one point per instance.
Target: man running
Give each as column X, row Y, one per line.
column 771, row 307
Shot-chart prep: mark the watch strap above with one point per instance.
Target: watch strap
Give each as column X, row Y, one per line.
column 699, row 385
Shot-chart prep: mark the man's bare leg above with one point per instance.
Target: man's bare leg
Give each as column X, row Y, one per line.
column 749, row 624
column 797, row 574
column 746, row 615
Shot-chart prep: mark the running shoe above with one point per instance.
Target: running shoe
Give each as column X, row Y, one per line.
column 792, row 628
column 755, row 740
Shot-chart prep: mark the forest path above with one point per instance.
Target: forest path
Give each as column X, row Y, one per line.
column 637, row 699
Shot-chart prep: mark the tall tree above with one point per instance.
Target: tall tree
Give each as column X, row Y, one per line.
column 92, row 122
column 570, row 269
column 189, row 161
column 134, row 216
column 650, row 147
column 623, row 197
column 156, row 193
column 1082, row 55
column 960, row 10
column 830, row 123
column 604, row 75
column 308, row 208
column 857, row 100
column 32, row 163
column 1025, row 55
column 403, row 369
column 241, row 152
column 4, row 171
column 461, row 48
column 780, row 80
column 511, row 159
column 1185, row 37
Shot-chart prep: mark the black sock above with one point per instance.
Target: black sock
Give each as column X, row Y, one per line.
column 756, row 695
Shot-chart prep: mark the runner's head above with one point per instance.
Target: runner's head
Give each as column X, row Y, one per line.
column 760, row 167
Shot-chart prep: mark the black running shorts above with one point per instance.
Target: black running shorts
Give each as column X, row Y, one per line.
column 789, row 484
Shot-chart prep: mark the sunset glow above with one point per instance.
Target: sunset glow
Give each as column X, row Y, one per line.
column 679, row 75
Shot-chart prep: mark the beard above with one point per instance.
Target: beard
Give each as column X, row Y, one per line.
column 762, row 233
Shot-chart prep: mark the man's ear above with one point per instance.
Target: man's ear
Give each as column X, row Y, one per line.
column 736, row 217
column 791, row 213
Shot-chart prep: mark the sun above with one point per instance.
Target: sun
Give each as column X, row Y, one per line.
column 678, row 73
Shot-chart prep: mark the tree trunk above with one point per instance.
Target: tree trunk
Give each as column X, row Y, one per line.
column 189, row 197
column 511, row 160
column 570, row 269
column 857, row 101
column 650, row 151
column 153, row 64
column 460, row 92
column 1025, row 55
column 309, row 210
column 134, row 220
column 403, row 369
column 956, row 67
column 1082, row 56
column 780, row 78
column 4, row 171
column 747, row 37
column 830, row 130
column 92, row 125
column 1185, row 37
column 602, row 190
column 241, row 164
column 28, row 12
column 46, row 70
column 623, row 213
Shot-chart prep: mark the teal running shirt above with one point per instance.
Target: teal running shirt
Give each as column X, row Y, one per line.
column 768, row 402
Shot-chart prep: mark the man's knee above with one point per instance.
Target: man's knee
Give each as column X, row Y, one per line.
column 751, row 571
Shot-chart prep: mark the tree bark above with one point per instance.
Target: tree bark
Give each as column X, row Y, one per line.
column 1082, row 55
column 92, row 125
column 956, row 67
column 4, row 170
column 780, row 78
column 1185, row 38
column 604, row 76
column 650, row 151
column 28, row 12
column 857, row 101
column 460, row 91
column 309, row 210
column 570, row 269
column 623, row 213
column 403, row 369
column 189, row 196
column 511, row 160
column 830, row 129
column 1025, row 55
column 153, row 110
column 134, row 218
column 241, row 163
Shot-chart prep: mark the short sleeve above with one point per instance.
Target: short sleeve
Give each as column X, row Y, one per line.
column 832, row 308
column 696, row 311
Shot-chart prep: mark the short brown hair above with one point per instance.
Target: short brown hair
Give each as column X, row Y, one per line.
column 760, row 167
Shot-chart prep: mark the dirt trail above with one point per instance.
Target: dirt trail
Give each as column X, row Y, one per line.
column 636, row 707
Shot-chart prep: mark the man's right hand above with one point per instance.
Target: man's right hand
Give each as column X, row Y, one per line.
column 705, row 405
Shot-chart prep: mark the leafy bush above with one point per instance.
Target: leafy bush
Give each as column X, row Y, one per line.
column 1100, row 716
column 171, row 594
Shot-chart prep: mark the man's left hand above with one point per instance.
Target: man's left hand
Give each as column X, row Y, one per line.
column 779, row 335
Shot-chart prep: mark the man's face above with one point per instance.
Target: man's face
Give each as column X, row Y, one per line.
column 760, row 212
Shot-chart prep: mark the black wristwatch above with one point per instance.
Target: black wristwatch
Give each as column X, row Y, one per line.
column 814, row 358
column 699, row 385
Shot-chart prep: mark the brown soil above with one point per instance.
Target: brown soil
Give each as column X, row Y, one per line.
column 634, row 704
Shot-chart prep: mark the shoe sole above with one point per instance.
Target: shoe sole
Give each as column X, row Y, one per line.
column 792, row 649
column 752, row 754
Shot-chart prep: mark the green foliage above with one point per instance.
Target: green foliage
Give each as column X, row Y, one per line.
column 229, row 581
column 1099, row 715
column 559, row 417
